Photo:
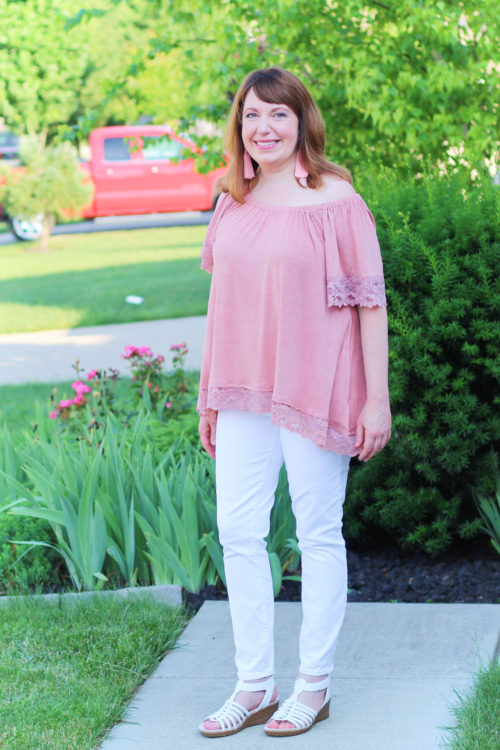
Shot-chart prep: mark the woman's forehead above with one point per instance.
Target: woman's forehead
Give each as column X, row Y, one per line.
column 253, row 100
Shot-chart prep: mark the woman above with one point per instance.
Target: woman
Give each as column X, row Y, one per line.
column 295, row 370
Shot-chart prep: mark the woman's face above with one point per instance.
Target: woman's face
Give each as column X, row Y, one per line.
column 269, row 132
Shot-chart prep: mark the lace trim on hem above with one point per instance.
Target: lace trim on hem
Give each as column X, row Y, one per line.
column 368, row 291
column 206, row 258
column 261, row 402
column 240, row 398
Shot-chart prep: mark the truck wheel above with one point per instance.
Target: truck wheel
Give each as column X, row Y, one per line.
column 26, row 229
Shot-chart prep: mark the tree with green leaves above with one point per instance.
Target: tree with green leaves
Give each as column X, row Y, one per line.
column 50, row 186
column 406, row 85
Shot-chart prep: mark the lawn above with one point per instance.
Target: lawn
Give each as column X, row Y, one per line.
column 68, row 671
column 83, row 279
column 478, row 714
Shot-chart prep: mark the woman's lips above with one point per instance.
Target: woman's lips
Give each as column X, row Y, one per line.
column 265, row 145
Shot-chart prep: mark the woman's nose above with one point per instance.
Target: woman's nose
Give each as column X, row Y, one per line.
column 263, row 125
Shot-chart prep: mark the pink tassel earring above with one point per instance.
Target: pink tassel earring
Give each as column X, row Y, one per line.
column 300, row 170
column 248, row 170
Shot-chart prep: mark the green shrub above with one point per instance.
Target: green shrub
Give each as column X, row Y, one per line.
column 441, row 249
column 26, row 568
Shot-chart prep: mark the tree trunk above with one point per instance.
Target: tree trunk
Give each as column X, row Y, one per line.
column 48, row 225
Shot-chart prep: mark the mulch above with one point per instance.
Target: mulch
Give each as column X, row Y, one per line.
column 469, row 573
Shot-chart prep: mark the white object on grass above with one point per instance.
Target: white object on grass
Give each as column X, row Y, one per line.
column 132, row 299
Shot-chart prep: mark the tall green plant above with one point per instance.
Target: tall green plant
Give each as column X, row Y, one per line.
column 489, row 508
column 119, row 510
column 67, row 500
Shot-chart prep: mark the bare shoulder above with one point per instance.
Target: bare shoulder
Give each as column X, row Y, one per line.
column 334, row 188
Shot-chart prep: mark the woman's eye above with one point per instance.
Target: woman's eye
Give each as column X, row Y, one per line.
column 249, row 114
column 281, row 114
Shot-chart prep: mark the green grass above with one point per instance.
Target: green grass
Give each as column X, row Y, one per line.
column 17, row 403
column 83, row 279
column 67, row 672
column 478, row 714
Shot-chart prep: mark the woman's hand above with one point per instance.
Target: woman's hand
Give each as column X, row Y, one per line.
column 207, row 428
column 373, row 428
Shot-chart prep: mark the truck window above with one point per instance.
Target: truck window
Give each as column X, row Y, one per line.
column 116, row 149
column 156, row 148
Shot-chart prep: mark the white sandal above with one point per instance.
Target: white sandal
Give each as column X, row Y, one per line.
column 302, row 716
column 233, row 717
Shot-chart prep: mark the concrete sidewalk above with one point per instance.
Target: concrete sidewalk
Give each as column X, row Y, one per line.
column 47, row 356
column 397, row 667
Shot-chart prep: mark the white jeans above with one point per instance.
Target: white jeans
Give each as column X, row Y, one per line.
column 249, row 454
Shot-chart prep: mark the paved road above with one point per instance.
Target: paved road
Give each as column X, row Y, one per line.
column 114, row 223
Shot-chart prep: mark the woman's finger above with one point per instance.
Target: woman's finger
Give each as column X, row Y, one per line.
column 359, row 434
column 367, row 446
column 205, row 432
column 209, row 447
column 376, row 447
column 379, row 442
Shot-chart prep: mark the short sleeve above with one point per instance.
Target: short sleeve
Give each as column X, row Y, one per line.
column 206, row 251
column 354, row 272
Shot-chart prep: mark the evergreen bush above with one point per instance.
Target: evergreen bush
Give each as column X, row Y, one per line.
column 440, row 243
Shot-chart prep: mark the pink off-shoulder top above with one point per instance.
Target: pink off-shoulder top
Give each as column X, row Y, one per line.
column 283, row 332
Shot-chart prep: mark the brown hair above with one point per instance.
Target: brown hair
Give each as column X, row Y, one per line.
column 276, row 85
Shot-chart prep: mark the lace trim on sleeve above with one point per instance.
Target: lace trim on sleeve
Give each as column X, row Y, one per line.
column 353, row 290
column 207, row 263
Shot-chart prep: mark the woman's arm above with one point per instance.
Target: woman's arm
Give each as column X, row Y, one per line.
column 373, row 429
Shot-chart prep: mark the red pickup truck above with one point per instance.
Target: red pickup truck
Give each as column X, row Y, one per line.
column 132, row 172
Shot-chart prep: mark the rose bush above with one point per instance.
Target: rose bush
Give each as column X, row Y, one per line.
column 166, row 394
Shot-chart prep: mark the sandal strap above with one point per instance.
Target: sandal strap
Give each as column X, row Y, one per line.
column 298, row 713
column 230, row 715
column 311, row 687
column 253, row 687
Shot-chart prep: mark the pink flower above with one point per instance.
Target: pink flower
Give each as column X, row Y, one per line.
column 130, row 351
column 160, row 359
column 92, row 374
column 66, row 403
column 178, row 347
column 156, row 388
column 144, row 351
column 167, row 405
column 80, row 387
column 79, row 400
column 150, row 385
column 53, row 414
